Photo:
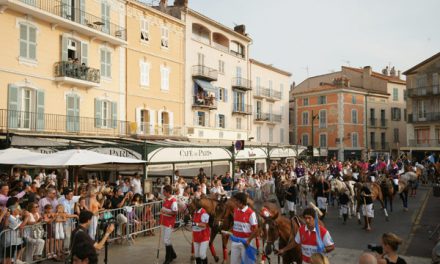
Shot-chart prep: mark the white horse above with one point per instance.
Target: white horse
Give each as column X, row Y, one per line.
column 339, row 186
column 304, row 189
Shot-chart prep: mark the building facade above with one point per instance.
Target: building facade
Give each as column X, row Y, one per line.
column 155, row 72
column 270, row 113
column 358, row 112
column 63, row 67
column 423, row 128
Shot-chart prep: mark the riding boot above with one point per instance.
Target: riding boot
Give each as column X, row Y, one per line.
column 167, row 255
column 172, row 253
column 199, row 261
column 345, row 218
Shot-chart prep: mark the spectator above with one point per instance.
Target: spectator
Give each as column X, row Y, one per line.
column 13, row 240
column 136, row 185
column 34, row 235
column 83, row 253
column 68, row 200
column 227, row 182
column 51, row 199
column 367, row 258
column 390, row 244
column 4, row 192
column 49, row 218
column 201, row 175
column 26, row 179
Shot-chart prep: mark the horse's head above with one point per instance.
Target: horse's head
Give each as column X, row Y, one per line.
column 270, row 234
column 219, row 215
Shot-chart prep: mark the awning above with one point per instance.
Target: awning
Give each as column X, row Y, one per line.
column 207, row 86
column 187, row 154
column 13, row 155
column 251, row 154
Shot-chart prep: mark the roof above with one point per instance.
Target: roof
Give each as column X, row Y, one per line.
column 428, row 60
column 392, row 79
column 326, row 87
column 270, row 67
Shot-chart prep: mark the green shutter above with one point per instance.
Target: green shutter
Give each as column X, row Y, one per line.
column 64, row 55
column 66, row 10
column 114, row 106
column 82, row 8
column 103, row 69
column 13, row 106
column 109, row 63
column 84, row 52
column 72, row 108
column 40, row 110
column 98, row 113
column 32, row 43
column 23, row 41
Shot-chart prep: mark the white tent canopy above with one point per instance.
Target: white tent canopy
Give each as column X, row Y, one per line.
column 76, row 157
column 13, row 155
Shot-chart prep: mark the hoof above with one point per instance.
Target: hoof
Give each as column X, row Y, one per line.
column 359, row 222
column 216, row 258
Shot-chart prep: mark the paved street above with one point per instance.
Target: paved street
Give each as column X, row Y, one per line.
column 350, row 239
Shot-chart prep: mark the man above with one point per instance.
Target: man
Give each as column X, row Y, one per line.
column 227, row 182
column 291, row 196
column 119, row 200
column 201, row 233
column 367, row 258
column 307, row 237
column 245, row 225
column 136, row 185
column 300, row 170
column 367, row 206
column 322, row 189
column 81, row 236
column 176, row 175
column 167, row 220
column 68, row 201
column 4, row 191
column 201, row 175
column 51, row 198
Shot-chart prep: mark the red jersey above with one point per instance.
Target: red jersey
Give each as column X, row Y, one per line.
column 307, row 240
column 244, row 220
column 169, row 205
column 201, row 234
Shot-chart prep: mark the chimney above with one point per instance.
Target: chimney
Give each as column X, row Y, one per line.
column 393, row 72
column 163, row 4
column 398, row 74
column 240, row 29
column 181, row 3
column 367, row 70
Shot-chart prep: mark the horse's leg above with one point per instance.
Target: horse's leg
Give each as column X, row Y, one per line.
column 225, row 239
column 358, row 213
column 384, row 208
column 391, row 202
column 211, row 244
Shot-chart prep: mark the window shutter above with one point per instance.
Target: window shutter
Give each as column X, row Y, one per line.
column 159, row 118
column 82, row 8
column 235, row 101
column 40, row 110
column 77, row 117
column 167, row 79
column 109, row 63
column 224, row 121
column 140, row 128
column 242, row 102
column 217, row 95
column 23, row 41
column 226, row 95
column 143, row 73
column 70, row 113
column 66, row 9
column 64, row 55
column 13, row 106
column 32, row 43
column 171, row 122
column 105, row 12
column 84, row 53
column 98, row 113
column 196, row 118
column 217, row 120
column 103, row 67
column 152, row 121
column 114, row 106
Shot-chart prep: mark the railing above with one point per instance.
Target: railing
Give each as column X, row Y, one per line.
column 379, row 145
column 204, row 72
column 242, row 109
column 424, row 142
column 238, row 54
column 425, row 117
column 77, row 15
column 205, row 102
column 259, row 116
column 275, row 118
column 383, row 122
column 423, row 91
column 220, row 47
column 268, row 93
column 77, row 71
column 146, row 128
column 52, row 123
column 241, row 83
column 373, row 122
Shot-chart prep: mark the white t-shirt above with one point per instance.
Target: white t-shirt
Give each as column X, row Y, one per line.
column 136, row 186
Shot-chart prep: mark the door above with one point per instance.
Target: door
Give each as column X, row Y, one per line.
column 26, row 111
column 73, row 113
column 421, row 110
column 382, row 117
column 259, row 108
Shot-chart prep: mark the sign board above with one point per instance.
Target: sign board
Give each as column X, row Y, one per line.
column 251, row 153
column 172, row 155
column 323, row 152
column 120, row 152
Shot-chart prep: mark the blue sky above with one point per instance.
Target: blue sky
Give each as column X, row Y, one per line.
column 322, row 35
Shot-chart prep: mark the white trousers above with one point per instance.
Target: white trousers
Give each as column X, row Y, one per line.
column 200, row 249
column 93, row 226
column 166, row 235
column 34, row 247
column 291, row 206
column 67, row 233
column 238, row 252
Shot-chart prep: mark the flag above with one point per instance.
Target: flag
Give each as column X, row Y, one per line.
column 431, row 158
column 251, row 253
column 319, row 243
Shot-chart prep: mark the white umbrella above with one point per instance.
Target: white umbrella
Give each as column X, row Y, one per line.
column 77, row 157
column 15, row 155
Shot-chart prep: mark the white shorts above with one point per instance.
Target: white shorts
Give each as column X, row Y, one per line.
column 367, row 210
column 59, row 230
column 322, row 203
column 343, row 209
column 291, row 206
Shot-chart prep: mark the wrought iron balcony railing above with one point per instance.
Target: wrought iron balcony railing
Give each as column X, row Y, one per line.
column 205, row 73
column 77, row 71
column 242, row 109
column 241, row 84
column 432, row 90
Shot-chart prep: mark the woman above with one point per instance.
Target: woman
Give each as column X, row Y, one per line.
column 34, row 234
column 180, row 186
column 390, row 244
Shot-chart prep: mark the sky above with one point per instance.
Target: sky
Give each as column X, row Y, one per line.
column 312, row 37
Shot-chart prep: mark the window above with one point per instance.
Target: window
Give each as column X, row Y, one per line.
column 105, row 114
column 145, row 36
column 270, row 134
column 72, row 118
column 238, row 123
column 322, row 99
column 106, row 63
column 405, row 95
column 28, row 42
column 421, row 109
column 164, row 37
column 405, row 115
column 221, row 67
column 25, row 108
column 201, row 59
column 353, row 99
column 165, row 78
column 373, row 140
column 396, row 135
column 305, row 118
column 305, row 139
column 322, row 119
column 221, row 121
column 200, row 119
column 258, row 133
column 305, row 101
column 281, row 135
column 145, row 73
column 395, row 114
column 323, row 140
column 281, row 91
column 395, row 94
column 237, row 49
column 354, row 116
column 221, row 94
column 239, row 100
column 354, row 140
column 105, row 15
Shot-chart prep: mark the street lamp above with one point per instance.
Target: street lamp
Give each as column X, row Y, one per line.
column 313, row 134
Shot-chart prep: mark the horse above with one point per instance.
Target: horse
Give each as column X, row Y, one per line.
column 387, row 187
column 404, row 184
column 376, row 194
column 273, row 227
column 280, row 189
column 304, row 189
column 338, row 186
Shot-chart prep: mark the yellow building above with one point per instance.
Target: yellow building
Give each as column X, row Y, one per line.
column 155, row 72
column 62, row 67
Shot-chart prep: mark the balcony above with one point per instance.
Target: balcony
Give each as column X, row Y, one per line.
column 208, row 103
column 204, row 73
column 32, row 122
column 77, row 74
column 424, row 117
column 269, row 94
column 383, row 123
column 275, row 118
column 379, row 145
column 243, row 109
column 57, row 13
column 424, row 91
column 241, row 84
column 424, row 143
column 149, row 129
column 378, row 123
column 261, row 117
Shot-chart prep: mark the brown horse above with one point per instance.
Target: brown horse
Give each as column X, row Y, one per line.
column 376, row 194
column 387, row 188
column 277, row 227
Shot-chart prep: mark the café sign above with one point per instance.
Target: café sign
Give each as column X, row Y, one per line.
column 174, row 155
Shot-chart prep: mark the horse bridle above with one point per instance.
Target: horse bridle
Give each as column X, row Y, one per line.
column 291, row 234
